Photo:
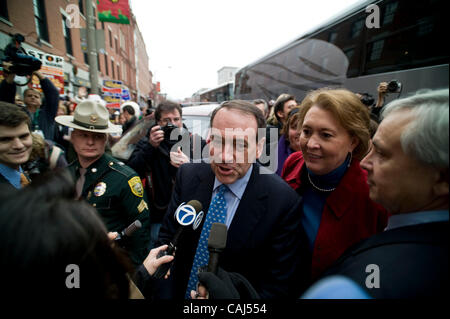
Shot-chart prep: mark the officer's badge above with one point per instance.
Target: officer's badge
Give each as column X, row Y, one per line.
column 136, row 186
column 94, row 118
column 100, row 189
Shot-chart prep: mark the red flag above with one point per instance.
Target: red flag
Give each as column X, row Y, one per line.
column 116, row 11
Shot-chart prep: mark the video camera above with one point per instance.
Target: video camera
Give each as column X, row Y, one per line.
column 17, row 61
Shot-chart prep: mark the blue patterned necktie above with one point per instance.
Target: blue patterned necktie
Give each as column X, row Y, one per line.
column 216, row 214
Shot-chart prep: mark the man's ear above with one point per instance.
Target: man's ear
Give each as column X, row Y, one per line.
column 441, row 186
column 260, row 147
column 208, row 137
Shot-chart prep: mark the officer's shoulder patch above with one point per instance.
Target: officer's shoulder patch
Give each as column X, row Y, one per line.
column 136, row 186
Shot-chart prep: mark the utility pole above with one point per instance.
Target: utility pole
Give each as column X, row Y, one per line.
column 91, row 47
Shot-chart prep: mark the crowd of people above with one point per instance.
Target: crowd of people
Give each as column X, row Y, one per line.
column 356, row 187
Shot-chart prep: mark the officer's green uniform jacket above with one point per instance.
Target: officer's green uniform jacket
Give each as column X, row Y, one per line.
column 116, row 191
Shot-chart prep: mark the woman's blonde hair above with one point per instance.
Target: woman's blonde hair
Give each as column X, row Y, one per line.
column 347, row 109
column 39, row 147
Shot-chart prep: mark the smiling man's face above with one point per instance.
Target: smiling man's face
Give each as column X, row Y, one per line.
column 15, row 145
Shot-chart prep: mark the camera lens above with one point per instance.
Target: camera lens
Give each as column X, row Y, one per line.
column 393, row 86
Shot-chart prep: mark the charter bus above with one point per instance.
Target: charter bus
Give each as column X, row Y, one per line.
column 409, row 46
column 223, row 92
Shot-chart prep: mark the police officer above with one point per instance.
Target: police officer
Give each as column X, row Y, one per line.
column 113, row 188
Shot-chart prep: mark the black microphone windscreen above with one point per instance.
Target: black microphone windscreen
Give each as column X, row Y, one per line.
column 132, row 228
column 196, row 204
column 218, row 236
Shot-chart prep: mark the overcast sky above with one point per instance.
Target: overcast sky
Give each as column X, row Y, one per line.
column 188, row 41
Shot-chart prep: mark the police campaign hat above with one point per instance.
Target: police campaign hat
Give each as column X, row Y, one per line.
column 89, row 115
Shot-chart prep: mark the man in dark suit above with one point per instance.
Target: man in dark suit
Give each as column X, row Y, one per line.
column 408, row 173
column 261, row 211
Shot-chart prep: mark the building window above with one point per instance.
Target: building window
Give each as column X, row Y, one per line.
column 112, row 69
column 349, row 53
column 4, row 9
column 122, row 40
column 117, row 47
column 426, row 26
column 357, row 27
column 81, row 6
column 40, row 19
column 376, row 50
column 106, row 65
column 124, row 72
column 110, row 39
column 67, row 35
column 118, row 72
column 86, row 58
column 332, row 37
column 389, row 12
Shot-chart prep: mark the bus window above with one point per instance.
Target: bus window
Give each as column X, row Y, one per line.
column 357, row 28
column 389, row 12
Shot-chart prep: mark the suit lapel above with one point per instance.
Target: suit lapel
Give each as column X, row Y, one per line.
column 250, row 210
column 205, row 187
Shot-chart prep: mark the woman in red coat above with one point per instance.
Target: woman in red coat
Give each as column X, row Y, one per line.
column 337, row 210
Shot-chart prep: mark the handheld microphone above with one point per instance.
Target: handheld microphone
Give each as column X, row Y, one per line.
column 217, row 242
column 128, row 232
column 186, row 214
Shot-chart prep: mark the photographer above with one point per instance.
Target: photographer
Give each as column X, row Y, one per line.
column 42, row 115
column 383, row 89
column 155, row 161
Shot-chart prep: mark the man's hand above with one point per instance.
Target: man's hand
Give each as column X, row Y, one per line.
column 151, row 263
column 9, row 77
column 39, row 75
column 113, row 235
column 202, row 293
column 224, row 285
column 156, row 136
column 178, row 158
column 382, row 91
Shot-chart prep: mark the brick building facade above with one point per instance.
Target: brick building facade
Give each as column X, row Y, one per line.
column 44, row 25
